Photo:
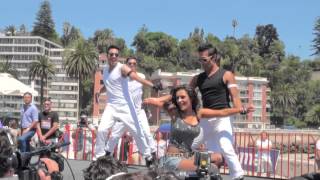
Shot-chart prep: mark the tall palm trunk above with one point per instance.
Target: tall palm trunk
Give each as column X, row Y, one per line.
column 41, row 91
column 80, row 93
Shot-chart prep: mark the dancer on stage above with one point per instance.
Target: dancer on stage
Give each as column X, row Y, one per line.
column 217, row 86
column 136, row 91
column 119, row 105
column 186, row 135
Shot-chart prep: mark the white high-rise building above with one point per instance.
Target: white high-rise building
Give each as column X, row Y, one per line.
column 23, row 50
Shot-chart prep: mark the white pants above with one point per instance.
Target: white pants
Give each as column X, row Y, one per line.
column 217, row 135
column 263, row 162
column 119, row 128
column 112, row 114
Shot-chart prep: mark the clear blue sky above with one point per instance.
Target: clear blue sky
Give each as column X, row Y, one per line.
column 294, row 19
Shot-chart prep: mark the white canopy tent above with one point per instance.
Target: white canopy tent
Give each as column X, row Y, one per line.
column 11, row 86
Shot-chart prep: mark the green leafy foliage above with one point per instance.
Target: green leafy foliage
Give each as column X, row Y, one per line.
column 81, row 62
column 44, row 25
column 42, row 68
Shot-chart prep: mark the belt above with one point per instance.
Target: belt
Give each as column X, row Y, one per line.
column 27, row 128
column 185, row 155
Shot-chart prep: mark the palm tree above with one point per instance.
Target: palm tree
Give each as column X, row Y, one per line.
column 283, row 98
column 81, row 63
column 10, row 30
column 313, row 116
column 234, row 25
column 6, row 67
column 102, row 39
column 42, row 68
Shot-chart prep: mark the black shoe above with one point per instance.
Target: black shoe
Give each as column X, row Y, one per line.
column 108, row 153
column 151, row 163
column 154, row 155
column 239, row 178
column 214, row 173
column 216, row 177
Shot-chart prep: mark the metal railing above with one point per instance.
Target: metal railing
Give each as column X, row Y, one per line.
column 288, row 155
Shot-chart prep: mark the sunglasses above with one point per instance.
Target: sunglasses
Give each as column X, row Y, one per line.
column 133, row 64
column 113, row 54
column 207, row 59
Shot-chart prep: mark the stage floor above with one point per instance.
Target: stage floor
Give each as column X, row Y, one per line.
column 78, row 165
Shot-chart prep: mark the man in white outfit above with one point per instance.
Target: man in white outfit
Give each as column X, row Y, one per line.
column 119, row 104
column 136, row 91
column 218, row 87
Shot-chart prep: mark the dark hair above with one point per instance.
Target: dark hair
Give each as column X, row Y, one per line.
column 113, row 47
column 84, row 112
column 5, row 152
column 147, row 175
column 131, row 57
column 47, row 99
column 27, row 93
column 102, row 168
column 212, row 51
column 191, row 93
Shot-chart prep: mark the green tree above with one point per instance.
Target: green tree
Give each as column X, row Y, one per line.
column 140, row 41
column 314, row 64
column 7, row 67
column 70, row 34
column 10, row 30
column 148, row 63
column 197, row 36
column 313, row 116
column 81, row 63
column 102, row 39
column 23, row 29
column 187, row 53
column 42, row 68
column 265, row 35
column 250, row 62
column 156, row 50
column 188, row 57
column 44, row 25
column 316, row 40
column 283, row 99
column 230, row 51
column 156, row 44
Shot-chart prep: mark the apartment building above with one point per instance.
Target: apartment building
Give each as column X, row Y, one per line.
column 253, row 90
column 23, row 50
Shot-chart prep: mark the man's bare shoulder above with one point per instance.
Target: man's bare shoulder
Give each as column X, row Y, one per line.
column 141, row 75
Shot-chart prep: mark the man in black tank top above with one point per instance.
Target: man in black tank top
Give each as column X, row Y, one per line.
column 216, row 86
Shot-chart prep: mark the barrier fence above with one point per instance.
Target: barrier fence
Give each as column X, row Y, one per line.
column 283, row 155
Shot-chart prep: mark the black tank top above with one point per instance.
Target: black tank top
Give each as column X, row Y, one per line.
column 214, row 91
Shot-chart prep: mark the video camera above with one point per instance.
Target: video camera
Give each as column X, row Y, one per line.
column 204, row 171
column 27, row 170
column 83, row 119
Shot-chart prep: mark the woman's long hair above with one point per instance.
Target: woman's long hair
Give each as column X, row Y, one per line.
column 192, row 95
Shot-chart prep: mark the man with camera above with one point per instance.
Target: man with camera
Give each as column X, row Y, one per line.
column 83, row 135
column 11, row 163
column 48, row 124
